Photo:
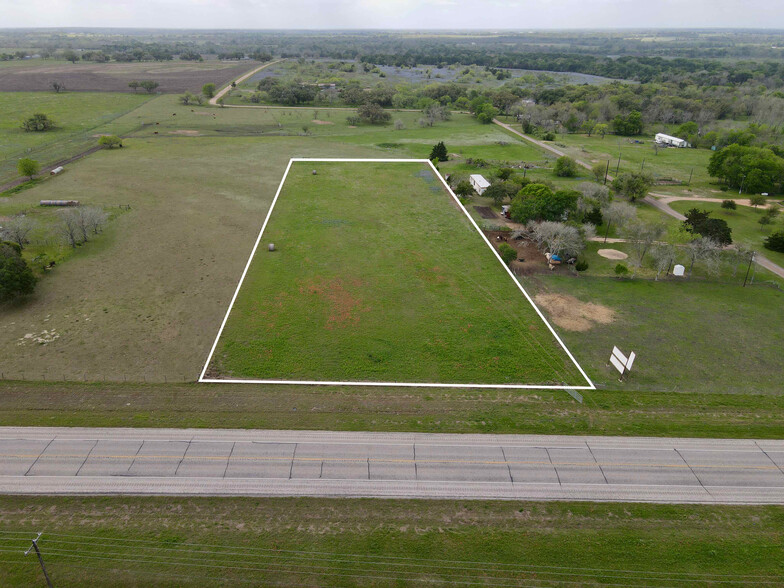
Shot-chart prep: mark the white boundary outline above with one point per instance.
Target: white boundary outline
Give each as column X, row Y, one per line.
column 202, row 377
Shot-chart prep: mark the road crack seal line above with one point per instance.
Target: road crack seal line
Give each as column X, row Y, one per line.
column 769, row 457
column 87, row 457
column 555, row 469
column 691, row 469
column 597, row 463
column 39, row 455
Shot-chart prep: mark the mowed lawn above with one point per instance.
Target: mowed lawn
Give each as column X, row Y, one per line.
column 379, row 276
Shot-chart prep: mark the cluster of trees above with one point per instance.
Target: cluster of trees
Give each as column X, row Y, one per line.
column 79, row 223
column 149, row 85
column 699, row 222
column 16, row 277
column 753, row 169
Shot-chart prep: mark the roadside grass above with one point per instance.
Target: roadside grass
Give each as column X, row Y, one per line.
column 709, row 414
column 744, row 222
column 166, row 541
column 378, row 276
column 689, row 336
column 78, row 116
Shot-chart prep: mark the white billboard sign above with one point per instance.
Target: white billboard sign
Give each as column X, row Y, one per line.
column 620, row 362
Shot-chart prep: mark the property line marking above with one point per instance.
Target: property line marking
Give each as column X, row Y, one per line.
column 203, row 379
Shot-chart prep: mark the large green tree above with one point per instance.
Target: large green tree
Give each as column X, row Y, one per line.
column 28, row 167
column 538, row 202
column 16, row 277
column 756, row 169
column 633, row 185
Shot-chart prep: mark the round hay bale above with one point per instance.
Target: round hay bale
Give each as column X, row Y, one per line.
column 272, row 246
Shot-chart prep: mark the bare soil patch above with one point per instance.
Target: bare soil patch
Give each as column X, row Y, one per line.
column 485, row 212
column 572, row 314
column 185, row 132
column 322, row 122
column 529, row 259
column 345, row 306
column 114, row 77
column 612, row 254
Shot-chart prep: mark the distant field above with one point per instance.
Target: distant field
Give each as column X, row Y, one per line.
column 173, row 76
column 379, row 276
column 79, row 118
column 195, row 542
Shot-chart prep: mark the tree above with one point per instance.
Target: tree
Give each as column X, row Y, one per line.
column 149, row 85
column 28, row 167
column 598, row 171
column 565, row 167
column 110, row 141
column 439, row 152
column 538, row 202
column 17, row 229
column 633, row 185
column 220, row 102
column 70, row 55
column 504, row 173
column 557, row 238
column 134, row 84
column 699, row 222
column 729, row 204
column 618, row 214
column 187, row 98
column 16, row 277
column 755, row 169
column 464, row 189
column 373, row 113
column 500, row 191
column 69, row 226
column 507, row 252
column 621, row 270
column 702, row 249
column 775, row 242
column 208, row 90
column 629, row 125
column 601, row 129
column 38, row 123
column 757, row 200
column 57, row 86
column 642, row 235
column 663, row 255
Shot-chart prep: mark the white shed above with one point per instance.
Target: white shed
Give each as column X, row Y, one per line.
column 663, row 139
column 479, row 183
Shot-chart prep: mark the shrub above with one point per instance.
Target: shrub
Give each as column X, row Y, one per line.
column 621, row 270
column 757, row 200
column 548, row 136
column 565, row 167
column 38, row 123
column 775, row 242
column 439, row 152
column 28, row 167
column 507, row 253
column 581, row 265
column 110, row 141
column 729, row 205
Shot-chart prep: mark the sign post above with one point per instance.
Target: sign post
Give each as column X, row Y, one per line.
column 621, row 363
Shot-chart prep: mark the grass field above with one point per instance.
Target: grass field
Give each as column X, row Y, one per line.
column 440, row 410
column 79, row 116
column 379, row 276
column 744, row 223
column 689, row 336
column 134, row 541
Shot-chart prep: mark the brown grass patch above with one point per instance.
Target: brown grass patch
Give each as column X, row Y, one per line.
column 315, row 121
column 185, row 132
column 345, row 305
column 572, row 314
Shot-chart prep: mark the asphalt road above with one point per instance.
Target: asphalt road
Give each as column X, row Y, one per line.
column 400, row 465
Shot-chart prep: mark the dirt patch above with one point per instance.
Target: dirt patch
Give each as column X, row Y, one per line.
column 185, row 132
column 572, row 314
column 529, row 259
column 345, row 307
column 486, row 212
column 612, row 254
column 322, row 122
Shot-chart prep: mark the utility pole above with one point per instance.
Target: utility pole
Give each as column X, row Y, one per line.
column 618, row 167
column 690, row 174
column 642, row 167
column 40, row 559
column 606, row 171
column 751, row 260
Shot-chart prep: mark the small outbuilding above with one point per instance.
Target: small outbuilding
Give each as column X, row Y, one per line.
column 671, row 141
column 478, row 183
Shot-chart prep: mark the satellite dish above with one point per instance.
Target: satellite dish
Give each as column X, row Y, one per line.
column 678, row 270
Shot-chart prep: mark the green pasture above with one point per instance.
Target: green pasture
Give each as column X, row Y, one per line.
column 208, row 541
column 379, row 276
column 79, row 116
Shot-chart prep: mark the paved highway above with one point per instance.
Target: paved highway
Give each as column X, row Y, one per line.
column 400, row 465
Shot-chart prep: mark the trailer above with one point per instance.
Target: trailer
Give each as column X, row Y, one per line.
column 670, row 141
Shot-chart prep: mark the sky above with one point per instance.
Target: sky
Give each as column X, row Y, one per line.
column 394, row 14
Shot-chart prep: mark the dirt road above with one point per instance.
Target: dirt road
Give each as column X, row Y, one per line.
column 242, row 78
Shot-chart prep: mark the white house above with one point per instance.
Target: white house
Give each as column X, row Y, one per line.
column 663, row 139
column 478, row 183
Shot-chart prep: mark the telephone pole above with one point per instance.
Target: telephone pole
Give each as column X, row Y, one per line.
column 34, row 546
